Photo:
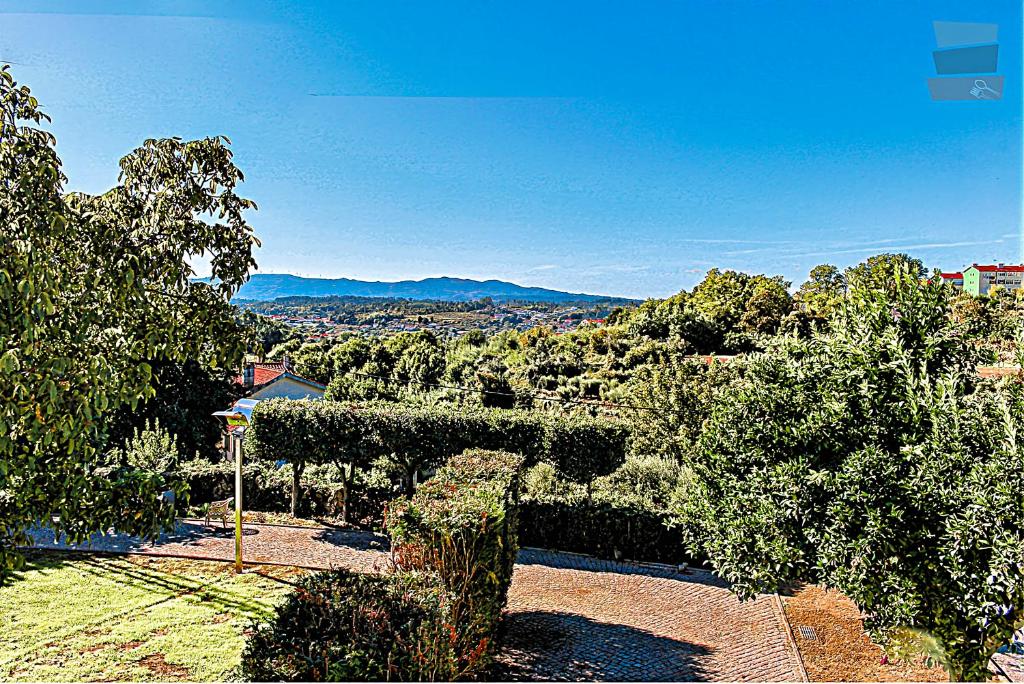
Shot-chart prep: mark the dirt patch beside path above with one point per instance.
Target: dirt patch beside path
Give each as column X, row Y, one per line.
column 842, row 651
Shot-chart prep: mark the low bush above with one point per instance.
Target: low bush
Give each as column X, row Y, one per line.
column 266, row 487
column 461, row 529
column 629, row 514
column 603, row 528
column 654, row 482
column 343, row 626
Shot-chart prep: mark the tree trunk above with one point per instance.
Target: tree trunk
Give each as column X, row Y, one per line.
column 345, row 479
column 297, row 469
column 410, row 481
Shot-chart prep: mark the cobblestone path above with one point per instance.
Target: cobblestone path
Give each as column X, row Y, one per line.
column 579, row 618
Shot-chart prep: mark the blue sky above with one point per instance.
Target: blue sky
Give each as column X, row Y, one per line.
column 612, row 148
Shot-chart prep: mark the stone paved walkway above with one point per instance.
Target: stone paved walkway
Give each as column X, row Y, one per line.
column 1009, row 665
column 319, row 548
column 579, row 618
column 570, row 617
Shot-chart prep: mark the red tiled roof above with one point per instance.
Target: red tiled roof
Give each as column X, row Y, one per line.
column 263, row 373
column 1006, row 269
column 952, row 276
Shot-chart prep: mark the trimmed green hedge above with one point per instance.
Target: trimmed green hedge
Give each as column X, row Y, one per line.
column 602, row 528
column 266, row 488
column 461, row 528
column 422, row 437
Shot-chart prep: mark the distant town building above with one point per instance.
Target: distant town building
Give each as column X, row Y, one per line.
column 954, row 279
column 979, row 279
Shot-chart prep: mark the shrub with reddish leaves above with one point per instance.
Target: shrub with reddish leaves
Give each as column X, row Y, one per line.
column 460, row 529
column 343, row 626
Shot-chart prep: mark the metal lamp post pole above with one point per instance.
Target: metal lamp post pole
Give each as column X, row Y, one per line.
column 238, row 505
column 238, row 417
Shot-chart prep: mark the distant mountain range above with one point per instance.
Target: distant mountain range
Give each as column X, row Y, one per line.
column 267, row 286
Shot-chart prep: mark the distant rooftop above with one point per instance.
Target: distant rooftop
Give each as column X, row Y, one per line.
column 987, row 268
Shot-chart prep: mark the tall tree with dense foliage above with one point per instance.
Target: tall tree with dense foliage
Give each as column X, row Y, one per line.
column 871, row 458
column 823, row 292
column 878, row 269
column 736, row 300
column 93, row 289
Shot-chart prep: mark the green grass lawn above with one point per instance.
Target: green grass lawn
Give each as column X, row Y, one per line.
column 71, row 617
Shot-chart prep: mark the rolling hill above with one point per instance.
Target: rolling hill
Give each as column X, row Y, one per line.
column 268, row 286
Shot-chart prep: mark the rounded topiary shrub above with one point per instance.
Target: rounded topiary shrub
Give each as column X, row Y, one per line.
column 343, row 626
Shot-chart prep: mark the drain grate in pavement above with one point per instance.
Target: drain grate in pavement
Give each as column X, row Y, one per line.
column 807, row 633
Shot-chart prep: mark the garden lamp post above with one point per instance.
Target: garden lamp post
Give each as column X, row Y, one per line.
column 237, row 419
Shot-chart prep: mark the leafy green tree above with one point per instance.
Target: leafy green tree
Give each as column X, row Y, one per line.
column 94, row 288
column 865, row 458
column 472, row 338
column 288, row 347
column 151, row 448
column 549, row 358
column 312, row 361
column 768, row 304
column 722, row 314
column 722, row 296
column 496, row 389
column 823, row 292
column 264, row 334
column 654, row 317
column 879, row 269
column 353, row 353
column 674, row 398
column 185, row 396
column 420, row 364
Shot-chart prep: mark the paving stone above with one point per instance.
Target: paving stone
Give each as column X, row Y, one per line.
column 572, row 617
column 311, row 547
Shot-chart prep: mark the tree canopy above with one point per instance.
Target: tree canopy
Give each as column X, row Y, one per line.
column 94, row 289
column 871, row 458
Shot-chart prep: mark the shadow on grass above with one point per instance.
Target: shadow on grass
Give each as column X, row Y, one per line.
column 38, row 560
column 548, row 645
column 194, row 534
column 184, row 533
column 207, row 591
column 121, row 571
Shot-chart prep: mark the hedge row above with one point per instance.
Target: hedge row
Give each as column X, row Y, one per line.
column 422, row 437
column 435, row 618
column 265, row 487
column 602, row 528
